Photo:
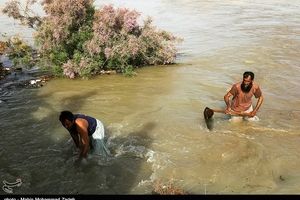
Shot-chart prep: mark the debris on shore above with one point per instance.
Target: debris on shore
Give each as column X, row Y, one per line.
column 168, row 188
column 11, row 76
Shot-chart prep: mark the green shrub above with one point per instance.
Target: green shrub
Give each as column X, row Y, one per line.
column 79, row 40
column 20, row 53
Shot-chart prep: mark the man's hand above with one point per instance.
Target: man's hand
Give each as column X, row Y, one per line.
column 228, row 111
column 253, row 113
column 80, row 161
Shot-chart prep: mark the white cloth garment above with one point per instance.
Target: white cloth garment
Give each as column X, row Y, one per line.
column 235, row 118
column 97, row 141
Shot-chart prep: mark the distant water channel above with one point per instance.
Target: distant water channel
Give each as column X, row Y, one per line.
column 154, row 121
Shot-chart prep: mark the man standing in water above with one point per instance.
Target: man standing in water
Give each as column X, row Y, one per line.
column 87, row 133
column 242, row 93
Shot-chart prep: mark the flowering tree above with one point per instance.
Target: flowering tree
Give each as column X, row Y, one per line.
column 77, row 40
column 22, row 12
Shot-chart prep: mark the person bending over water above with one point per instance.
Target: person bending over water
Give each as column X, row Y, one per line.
column 242, row 93
column 87, row 133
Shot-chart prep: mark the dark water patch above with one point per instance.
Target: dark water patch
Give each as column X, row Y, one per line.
column 46, row 166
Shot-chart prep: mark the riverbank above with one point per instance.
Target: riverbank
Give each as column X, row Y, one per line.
column 11, row 77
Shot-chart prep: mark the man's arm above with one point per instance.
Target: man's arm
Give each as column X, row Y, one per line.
column 82, row 126
column 75, row 139
column 227, row 101
column 258, row 104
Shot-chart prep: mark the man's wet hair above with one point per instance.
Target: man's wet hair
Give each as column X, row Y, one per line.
column 66, row 115
column 248, row 73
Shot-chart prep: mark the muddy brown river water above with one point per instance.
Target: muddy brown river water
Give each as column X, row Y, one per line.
column 154, row 121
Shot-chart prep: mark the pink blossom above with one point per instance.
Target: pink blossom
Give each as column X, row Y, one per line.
column 107, row 52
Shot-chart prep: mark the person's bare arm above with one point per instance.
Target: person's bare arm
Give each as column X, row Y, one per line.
column 82, row 126
column 75, row 139
column 227, row 101
column 257, row 106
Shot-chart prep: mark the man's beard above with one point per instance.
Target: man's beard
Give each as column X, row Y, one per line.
column 246, row 88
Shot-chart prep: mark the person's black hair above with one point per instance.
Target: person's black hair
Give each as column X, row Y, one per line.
column 248, row 73
column 66, row 115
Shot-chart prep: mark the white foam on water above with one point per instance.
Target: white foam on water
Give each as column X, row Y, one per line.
column 269, row 129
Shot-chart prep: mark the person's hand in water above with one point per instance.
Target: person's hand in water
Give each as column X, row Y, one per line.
column 80, row 161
